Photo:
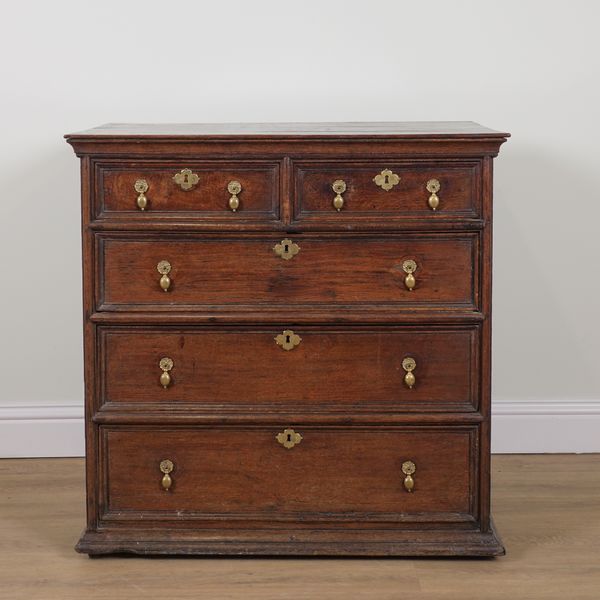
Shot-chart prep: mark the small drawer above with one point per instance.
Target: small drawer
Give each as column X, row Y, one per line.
column 224, row 191
column 386, row 190
column 314, row 368
column 435, row 270
column 291, row 473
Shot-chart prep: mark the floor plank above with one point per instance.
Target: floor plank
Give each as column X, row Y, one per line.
column 547, row 510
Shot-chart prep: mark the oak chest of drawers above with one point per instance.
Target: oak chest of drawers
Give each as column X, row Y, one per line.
column 287, row 338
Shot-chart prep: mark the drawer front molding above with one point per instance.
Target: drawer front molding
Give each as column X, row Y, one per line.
column 218, row 191
column 359, row 369
column 399, row 192
column 332, row 475
column 401, row 271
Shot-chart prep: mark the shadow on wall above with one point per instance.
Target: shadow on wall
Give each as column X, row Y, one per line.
column 546, row 328
column 41, row 308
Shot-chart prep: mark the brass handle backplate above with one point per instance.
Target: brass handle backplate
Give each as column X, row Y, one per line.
column 286, row 249
column 165, row 364
column 288, row 438
column 166, row 467
column 288, row 340
column 409, row 267
column 141, row 187
column 386, row 180
column 409, row 468
column 409, row 364
column 433, row 187
column 234, row 188
column 339, row 187
column 185, row 179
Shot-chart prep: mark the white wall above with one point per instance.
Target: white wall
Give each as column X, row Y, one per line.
column 531, row 68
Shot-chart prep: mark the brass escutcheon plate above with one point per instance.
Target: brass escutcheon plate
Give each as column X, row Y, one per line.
column 288, row 438
column 286, row 249
column 386, row 180
column 185, row 179
column 288, row 340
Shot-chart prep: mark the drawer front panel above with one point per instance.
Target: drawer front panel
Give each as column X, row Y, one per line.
column 357, row 369
column 331, row 474
column 404, row 191
column 325, row 271
column 209, row 198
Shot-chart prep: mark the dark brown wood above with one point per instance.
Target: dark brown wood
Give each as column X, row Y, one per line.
column 208, row 199
column 243, row 474
column 237, row 490
column 416, row 541
column 342, row 270
column 459, row 190
column 358, row 368
column 293, row 140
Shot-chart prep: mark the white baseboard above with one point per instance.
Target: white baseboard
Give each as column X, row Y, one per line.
column 38, row 431
column 517, row 427
column 545, row 426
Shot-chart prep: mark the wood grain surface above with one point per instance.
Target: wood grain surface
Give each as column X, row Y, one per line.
column 459, row 189
column 331, row 366
column 244, row 474
column 349, row 270
column 259, row 197
column 545, row 506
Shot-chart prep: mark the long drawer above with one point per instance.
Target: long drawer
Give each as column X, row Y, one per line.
column 409, row 270
column 289, row 473
column 314, row 367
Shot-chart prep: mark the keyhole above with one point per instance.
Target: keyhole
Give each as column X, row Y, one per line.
column 287, row 341
column 185, row 178
column 289, row 437
column 286, row 248
column 387, row 179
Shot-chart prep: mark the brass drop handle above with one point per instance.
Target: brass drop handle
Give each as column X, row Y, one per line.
column 286, row 249
column 433, row 187
column 409, row 364
column 141, row 187
column 165, row 364
column 409, row 468
column 288, row 438
column 164, row 268
column 339, row 187
column 409, row 267
column 234, row 188
column 166, row 468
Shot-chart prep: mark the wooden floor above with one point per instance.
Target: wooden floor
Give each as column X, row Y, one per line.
column 547, row 509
